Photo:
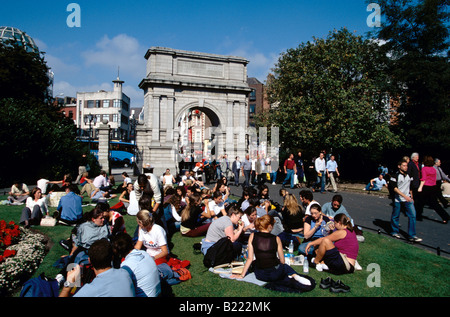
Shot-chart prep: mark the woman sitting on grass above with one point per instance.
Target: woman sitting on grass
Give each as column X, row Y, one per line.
column 338, row 251
column 192, row 217
column 152, row 237
column 269, row 263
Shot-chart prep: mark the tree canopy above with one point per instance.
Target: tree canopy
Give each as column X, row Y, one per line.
column 416, row 37
column 36, row 140
column 331, row 94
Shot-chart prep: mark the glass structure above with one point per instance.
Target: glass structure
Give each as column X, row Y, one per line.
column 10, row 33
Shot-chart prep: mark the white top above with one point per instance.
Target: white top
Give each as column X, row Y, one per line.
column 30, row 203
column 215, row 208
column 168, row 179
column 42, row 184
column 319, row 164
column 153, row 240
column 307, row 211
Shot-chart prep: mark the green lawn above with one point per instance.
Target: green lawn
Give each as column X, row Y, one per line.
column 402, row 270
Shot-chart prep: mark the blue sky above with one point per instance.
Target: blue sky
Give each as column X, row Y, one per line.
column 118, row 33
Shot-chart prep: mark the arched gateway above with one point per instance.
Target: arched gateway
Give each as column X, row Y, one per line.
column 179, row 84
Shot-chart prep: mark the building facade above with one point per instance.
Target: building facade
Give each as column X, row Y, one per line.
column 179, row 82
column 93, row 108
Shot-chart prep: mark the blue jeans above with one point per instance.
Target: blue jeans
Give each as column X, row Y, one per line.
column 289, row 174
column 372, row 187
column 247, row 174
column 410, row 212
column 273, row 177
column 322, row 180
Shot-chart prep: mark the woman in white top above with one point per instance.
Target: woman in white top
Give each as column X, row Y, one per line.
column 168, row 179
column 152, row 237
column 35, row 209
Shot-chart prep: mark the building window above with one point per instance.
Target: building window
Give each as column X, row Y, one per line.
column 252, row 108
column 253, row 95
column 98, row 118
column 90, row 103
column 97, row 104
column 105, row 117
column 117, row 103
column 115, row 117
column 105, row 103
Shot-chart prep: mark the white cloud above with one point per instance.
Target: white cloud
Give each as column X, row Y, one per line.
column 260, row 64
column 120, row 51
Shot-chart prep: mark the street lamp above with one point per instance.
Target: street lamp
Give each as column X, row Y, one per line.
column 90, row 118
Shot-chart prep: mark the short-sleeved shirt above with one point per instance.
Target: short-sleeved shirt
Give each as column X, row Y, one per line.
column 143, row 272
column 153, row 240
column 111, row 283
column 216, row 230
column 318, row 234
column 379, row 183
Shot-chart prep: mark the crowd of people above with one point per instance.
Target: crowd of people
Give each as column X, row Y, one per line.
column 257, row 226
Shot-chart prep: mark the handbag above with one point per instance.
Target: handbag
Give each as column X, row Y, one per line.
column 48, row 222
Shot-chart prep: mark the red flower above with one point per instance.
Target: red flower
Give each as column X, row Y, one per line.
column 9, row 253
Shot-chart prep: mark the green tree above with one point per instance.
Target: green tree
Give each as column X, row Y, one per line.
column 416, row 37
column 36, row 140
column 330, row 93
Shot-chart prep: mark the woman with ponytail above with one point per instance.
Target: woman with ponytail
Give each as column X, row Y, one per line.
column 338, row 251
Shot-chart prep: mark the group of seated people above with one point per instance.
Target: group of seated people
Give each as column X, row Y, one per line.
column 325, row 233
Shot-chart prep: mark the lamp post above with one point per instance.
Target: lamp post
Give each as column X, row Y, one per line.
column 90, row 118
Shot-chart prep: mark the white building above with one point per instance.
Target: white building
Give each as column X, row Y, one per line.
column 113, row 106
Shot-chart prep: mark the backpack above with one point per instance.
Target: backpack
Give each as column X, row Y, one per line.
column 220, row 252
column 40, row 286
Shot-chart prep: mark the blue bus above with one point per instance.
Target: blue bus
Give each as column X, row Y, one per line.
column 121, row 153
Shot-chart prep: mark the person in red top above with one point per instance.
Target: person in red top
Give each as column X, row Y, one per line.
column 290, row 169
column 427, row 189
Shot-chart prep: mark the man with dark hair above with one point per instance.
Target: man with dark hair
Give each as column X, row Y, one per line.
column 307, row 199
column 401, row 186
column 331, row 209
column 70, row 207
column 139, row 264
column 108, row 281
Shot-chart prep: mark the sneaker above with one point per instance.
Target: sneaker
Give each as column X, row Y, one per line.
column 415, row 239
column 339, row 287
column 65, row 244
column 357, row 266
column 325, row 283
column 396, row 235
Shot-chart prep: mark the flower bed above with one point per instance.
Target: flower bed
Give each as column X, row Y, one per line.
column 21, row 253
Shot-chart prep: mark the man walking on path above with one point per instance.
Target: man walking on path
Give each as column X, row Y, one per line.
column 320, row 167
column 332, row 171
column 440, row 178
column 400, row 184
column 414, row 170
column 290, row 169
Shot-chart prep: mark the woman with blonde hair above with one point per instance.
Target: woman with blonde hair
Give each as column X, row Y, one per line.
column 292, row 214
column 267, row 250
column 338, row 251
column 152, row 236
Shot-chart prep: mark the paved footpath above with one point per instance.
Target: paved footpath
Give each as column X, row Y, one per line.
column 373, row 213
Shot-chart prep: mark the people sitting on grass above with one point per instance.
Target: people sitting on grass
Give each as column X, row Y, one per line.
column 70, row 210
column 19, row 193
column 108, row 281
column 307, row 199
column 331, row 209
column 193, row 216
column 139, row 264
column 267, row 251
column 35, row 209
column 338, row 251
column 313, row 228
column 224, row 227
